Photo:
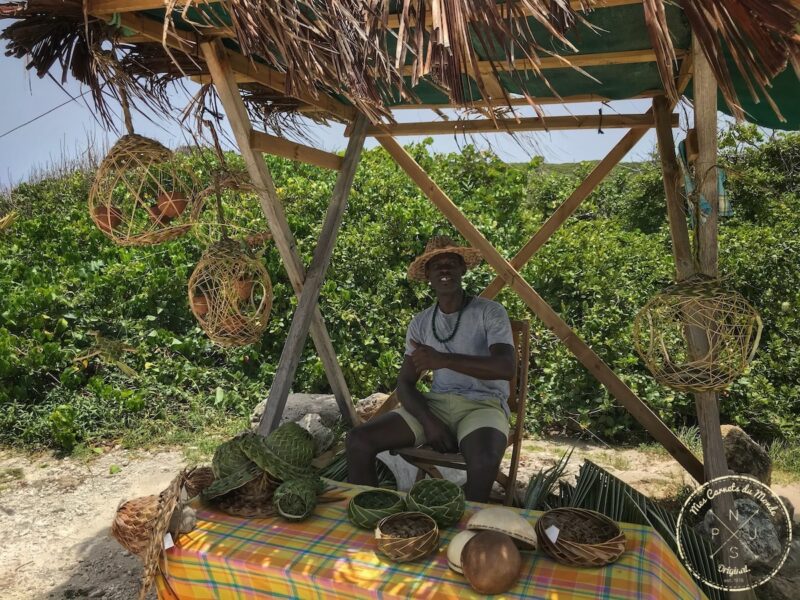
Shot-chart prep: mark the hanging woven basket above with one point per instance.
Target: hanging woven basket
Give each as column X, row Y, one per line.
column 367, row 508
column 141, row 195
column 407, row 536
column 583, row 538
column 230, row 294
column 441, row 499
column 719, row 321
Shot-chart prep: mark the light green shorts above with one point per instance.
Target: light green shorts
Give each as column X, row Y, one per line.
column 461, row 415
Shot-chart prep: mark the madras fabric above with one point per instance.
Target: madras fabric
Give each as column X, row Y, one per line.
column 326, row 557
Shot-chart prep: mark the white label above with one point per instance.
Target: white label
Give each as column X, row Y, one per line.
column 168, row 543
column 552, row 533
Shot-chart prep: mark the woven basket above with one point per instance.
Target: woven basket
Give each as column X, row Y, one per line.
column 252, row 500
column 401, row 548
column 723, row 322
column 133, row 522
column 197, row 480
column 230, row 294
column 141, row 195
column 367, row 508
column 441, row 499
column 296, row 499
column 572, row 546
column 287, row 452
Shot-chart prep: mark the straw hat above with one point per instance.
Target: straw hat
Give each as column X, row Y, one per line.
column 441, row 244
column 505, row 520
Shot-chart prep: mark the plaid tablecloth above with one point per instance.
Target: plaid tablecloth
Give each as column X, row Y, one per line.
column 326, row 557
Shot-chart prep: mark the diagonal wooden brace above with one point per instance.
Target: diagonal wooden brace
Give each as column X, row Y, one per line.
column 298, row 331
column 228, row 90
column 624, row 395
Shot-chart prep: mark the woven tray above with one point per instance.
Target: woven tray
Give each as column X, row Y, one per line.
column 405, row 549
column 585, row 539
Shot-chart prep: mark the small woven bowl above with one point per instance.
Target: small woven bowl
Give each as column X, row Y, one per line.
column 438, row 498
column 404, row 548
column 367, row 508
column 585, row 539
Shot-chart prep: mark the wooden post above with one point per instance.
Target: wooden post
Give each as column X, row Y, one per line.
column 298, row 331
column 593, row 363
column 228, row 90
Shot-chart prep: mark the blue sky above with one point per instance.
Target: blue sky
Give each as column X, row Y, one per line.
column 69, row 130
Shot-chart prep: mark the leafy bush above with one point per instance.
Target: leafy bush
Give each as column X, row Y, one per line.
column 67, row 292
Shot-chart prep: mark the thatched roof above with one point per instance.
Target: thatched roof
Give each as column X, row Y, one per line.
column 335, row 56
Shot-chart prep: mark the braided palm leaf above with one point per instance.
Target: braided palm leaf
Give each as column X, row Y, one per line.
column 438, row 498
column 367, row 508
column 232, row 481
column 295, row 500
column 293, row 444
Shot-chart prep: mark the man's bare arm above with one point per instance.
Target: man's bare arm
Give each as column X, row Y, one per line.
column 500, row 364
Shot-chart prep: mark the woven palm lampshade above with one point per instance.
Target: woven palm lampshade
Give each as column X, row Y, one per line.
column 230, row 294
column 720, row 321
column 141, row 195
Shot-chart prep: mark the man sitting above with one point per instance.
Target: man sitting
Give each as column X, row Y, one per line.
column 467, row 343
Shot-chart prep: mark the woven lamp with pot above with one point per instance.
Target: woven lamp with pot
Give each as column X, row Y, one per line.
column 441, row 499
column 406, row 536
column 583, row 538
column 367, row 508
column 230, row 294
column 141, row 194
column 724, row 327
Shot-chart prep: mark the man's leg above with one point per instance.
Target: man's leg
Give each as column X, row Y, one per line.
column 364, row 442
column 483, row 451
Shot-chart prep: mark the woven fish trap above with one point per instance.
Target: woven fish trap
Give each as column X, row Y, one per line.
column 252, row 500
column 407, row 536
column 585, row 538
column 441, row 499
column 133, row 522
column 366, row 509
column 721, row 323
column 296, row 499
column 141, row 195
column 230, row 294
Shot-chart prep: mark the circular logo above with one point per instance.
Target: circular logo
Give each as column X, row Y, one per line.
column 733, row 533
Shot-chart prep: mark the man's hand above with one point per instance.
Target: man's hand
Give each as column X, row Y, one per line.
column 438, row 436
column 426, row 358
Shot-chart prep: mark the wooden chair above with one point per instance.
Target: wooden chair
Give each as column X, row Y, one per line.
column 426, row 459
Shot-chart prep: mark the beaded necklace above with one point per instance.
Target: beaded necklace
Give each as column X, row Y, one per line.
column 458, row 321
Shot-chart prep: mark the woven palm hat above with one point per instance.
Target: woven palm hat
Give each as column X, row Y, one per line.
column 442, row 244
column 505, row 520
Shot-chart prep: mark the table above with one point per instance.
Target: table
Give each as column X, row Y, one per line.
column 326, row 557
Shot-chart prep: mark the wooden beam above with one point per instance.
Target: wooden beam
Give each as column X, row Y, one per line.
column 681, row 248
column 228, row 91
column 563, row 212
column 277, row 146
column 593, row 363
column 298, row 330
column 510, row 125
column 545, row 100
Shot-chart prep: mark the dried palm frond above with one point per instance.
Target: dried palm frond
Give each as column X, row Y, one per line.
column 760, row 35
column 57, row 33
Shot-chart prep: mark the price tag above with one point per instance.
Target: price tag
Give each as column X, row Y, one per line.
column 552, row 533
column 168, row 543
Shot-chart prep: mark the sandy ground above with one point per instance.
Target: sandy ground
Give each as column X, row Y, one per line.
column 55, row 513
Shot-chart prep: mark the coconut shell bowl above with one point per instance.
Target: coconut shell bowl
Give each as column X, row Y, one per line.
column 585, row 538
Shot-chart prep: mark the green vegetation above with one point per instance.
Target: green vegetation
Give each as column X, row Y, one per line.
column 65, row 291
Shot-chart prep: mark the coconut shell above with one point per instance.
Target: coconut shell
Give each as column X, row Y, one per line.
column 107, row 218
column 491, row 562
column 456, row 547
column 505, row 520
column 172, row 204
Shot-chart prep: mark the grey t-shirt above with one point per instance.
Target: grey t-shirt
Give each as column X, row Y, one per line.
column 483, row 323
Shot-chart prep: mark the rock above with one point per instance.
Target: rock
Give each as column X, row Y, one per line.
column 323, row 436
column 744, row 455
column 366, row 406
column 299, row 405
column 785, row 583
column 760, row 541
